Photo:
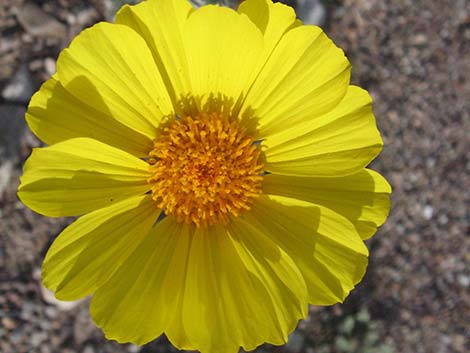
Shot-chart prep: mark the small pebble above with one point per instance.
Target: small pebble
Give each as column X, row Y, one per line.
column 8, row 323
column 428, row 211
column 463, row 280
column 50, row 66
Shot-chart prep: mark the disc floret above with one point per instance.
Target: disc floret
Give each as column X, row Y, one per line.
column 205, row 169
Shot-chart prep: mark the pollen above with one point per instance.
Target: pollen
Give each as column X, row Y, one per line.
column 205, row 169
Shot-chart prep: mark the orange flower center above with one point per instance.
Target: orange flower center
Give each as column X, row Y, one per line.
column 204, row 169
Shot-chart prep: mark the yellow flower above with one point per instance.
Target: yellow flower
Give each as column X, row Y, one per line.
column 217, row 158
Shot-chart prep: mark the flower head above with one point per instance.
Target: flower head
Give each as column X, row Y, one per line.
column 217, row 160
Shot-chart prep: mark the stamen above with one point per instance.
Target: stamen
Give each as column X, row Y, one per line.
column 205, row 169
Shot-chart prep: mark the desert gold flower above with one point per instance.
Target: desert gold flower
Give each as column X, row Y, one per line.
column 217, row 160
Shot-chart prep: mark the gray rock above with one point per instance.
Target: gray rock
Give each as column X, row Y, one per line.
column 296, row 342
column 37, row 338
column 228, row 3
column 88, row 349
column 6, row 169
column 311, row 12
column 20, row 87
column 463, row 280
column 39, row 23
column 12, row 127
column 428, row 211
column 133, row 348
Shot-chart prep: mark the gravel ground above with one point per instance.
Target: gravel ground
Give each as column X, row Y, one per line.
column 412, row 56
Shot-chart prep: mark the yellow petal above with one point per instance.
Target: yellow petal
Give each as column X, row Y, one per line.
column 208, row 289
column 306, row 76
column 272, row 19
column 161, row 24
column 80, row 175
column 277, row 274
column 363, row 198
column 139, row 300
column 340, row 142
column 223, row 49
column 92, row 248
column 241, row 289
column 111, row 68
column 327, row 249
column 55, row 115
